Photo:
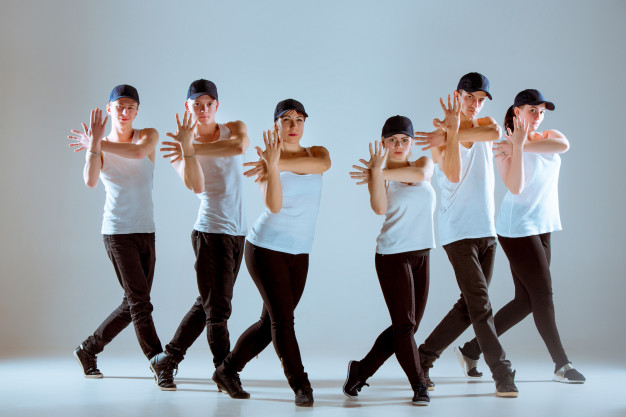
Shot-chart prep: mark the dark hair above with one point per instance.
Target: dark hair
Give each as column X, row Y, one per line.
column 508, row 119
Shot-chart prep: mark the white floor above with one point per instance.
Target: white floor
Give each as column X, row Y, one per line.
column 53, row 386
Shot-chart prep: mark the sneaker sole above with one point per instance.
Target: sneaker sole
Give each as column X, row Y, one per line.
column 420, row 403
column 96, row 376
column 459, row 358
column 344, row 384
column 507, row 394
column 566, row 381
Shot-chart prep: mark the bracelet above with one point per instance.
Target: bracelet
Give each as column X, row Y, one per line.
column 189, row 156
column 94, row 154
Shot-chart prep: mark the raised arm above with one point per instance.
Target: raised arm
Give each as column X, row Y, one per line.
column 552, row 141
column 376, row 185
column 182, row 155
column 93, row 159
column 271, row 186
column 422, row 171
column 509, row 156
column 449, row 159
column 145, row 146
column 236, row 144
column 317, row 163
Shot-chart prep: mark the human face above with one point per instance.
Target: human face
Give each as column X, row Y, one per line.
column 123, row 111
column 399, row 146
column 203, row 109
column 290, row 126
column 471, row 103
column 533, row 115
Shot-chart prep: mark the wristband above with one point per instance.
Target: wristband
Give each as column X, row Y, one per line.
column 94, row 154
column 189, row 156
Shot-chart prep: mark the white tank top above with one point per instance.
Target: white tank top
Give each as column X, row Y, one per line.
column 408, row 222
column 128, row 183
column 536, row 209
column 221, row 203
column 292, row 229
column 466, row 209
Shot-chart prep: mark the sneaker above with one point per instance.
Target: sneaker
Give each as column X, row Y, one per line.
column 467, row 364
column 420, row 395
column 229, row 383
column 88, row 362
column 353, row 384
column 568, row 375
column 505, row 385
column 163, row 369
column 304, row 396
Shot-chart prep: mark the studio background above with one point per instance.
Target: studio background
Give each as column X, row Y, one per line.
column 352, row 64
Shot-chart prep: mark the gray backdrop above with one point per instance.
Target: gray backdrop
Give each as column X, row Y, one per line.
column 352, row 64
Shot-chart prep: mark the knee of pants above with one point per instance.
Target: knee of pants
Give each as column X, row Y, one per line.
column 406, row 329
column 141, row 309
column 216, row 322
column 283, row 324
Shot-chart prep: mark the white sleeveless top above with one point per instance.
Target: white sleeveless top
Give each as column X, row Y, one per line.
column 536, row 209
column 221, row 203
column 128, row 183
column 408, row 222
column 292, row 229
column 466, row 209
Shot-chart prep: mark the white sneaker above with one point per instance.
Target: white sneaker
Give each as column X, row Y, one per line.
column 467, row 364
column 568, row 375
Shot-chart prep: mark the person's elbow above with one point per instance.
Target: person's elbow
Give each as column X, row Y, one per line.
column 564, row 146
column 274, row 208
column 454, row 177
column 91, row 182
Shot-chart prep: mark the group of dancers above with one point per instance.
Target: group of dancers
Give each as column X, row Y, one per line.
column 208, row 157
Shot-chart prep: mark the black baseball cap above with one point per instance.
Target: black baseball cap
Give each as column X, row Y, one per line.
column 124, row 90
column 202, row 87
column 286, row 105
column 474, row 81
column 398, row 125
column 532, row 97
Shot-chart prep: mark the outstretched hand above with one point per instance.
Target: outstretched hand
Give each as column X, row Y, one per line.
column 174, row 151
column 184, row 134
column 90, row 137
column 452, row 115
column 378, row 158
column 432, row 139
column 504, row 149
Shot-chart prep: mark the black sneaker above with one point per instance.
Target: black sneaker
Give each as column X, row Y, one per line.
column 163, row 368
column 88, row 362
column 353, row 384
column 568, row 375
column 304, row 396
column 420, row 395
column 467, row 364
column 229, row 383
column 505, row 385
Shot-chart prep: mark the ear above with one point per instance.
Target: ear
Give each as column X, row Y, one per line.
column 108, row 108
column 217, row 106
column 516, row 110
column 187, row 106
column 276, row 126
column 457, row 94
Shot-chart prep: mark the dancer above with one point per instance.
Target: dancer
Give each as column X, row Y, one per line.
column 461, row 146
column 124, row 162
column 277, row 248
column 529, row 162
column 401, row 190
column 208, row 157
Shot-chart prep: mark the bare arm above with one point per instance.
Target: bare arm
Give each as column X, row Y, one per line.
column 422, row 171
column 93, row 158
column 553, row 142
column 510, row 156
column 271, row 186
column 236, row 144
column 450, row 158
column 145, row 146
column 182, row 155
column 317, row 163
column 376, row 185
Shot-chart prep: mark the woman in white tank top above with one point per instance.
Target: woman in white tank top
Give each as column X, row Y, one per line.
column 278, row 245
column 400, row 189
column 528, row 162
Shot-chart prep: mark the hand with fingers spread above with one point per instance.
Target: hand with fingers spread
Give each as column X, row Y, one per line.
column 183, row 147
column 513, row 140
column 430, row 139
column 376, row 163
column 271, row 154
column 91, row 137
column 259, row 169
column 452, row 115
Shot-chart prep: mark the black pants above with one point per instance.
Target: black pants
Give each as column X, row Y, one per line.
column 218, row 258
column 529, row 259
column 280, row 278
column 404, row 279
column 133, row 257
column 472, row 261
